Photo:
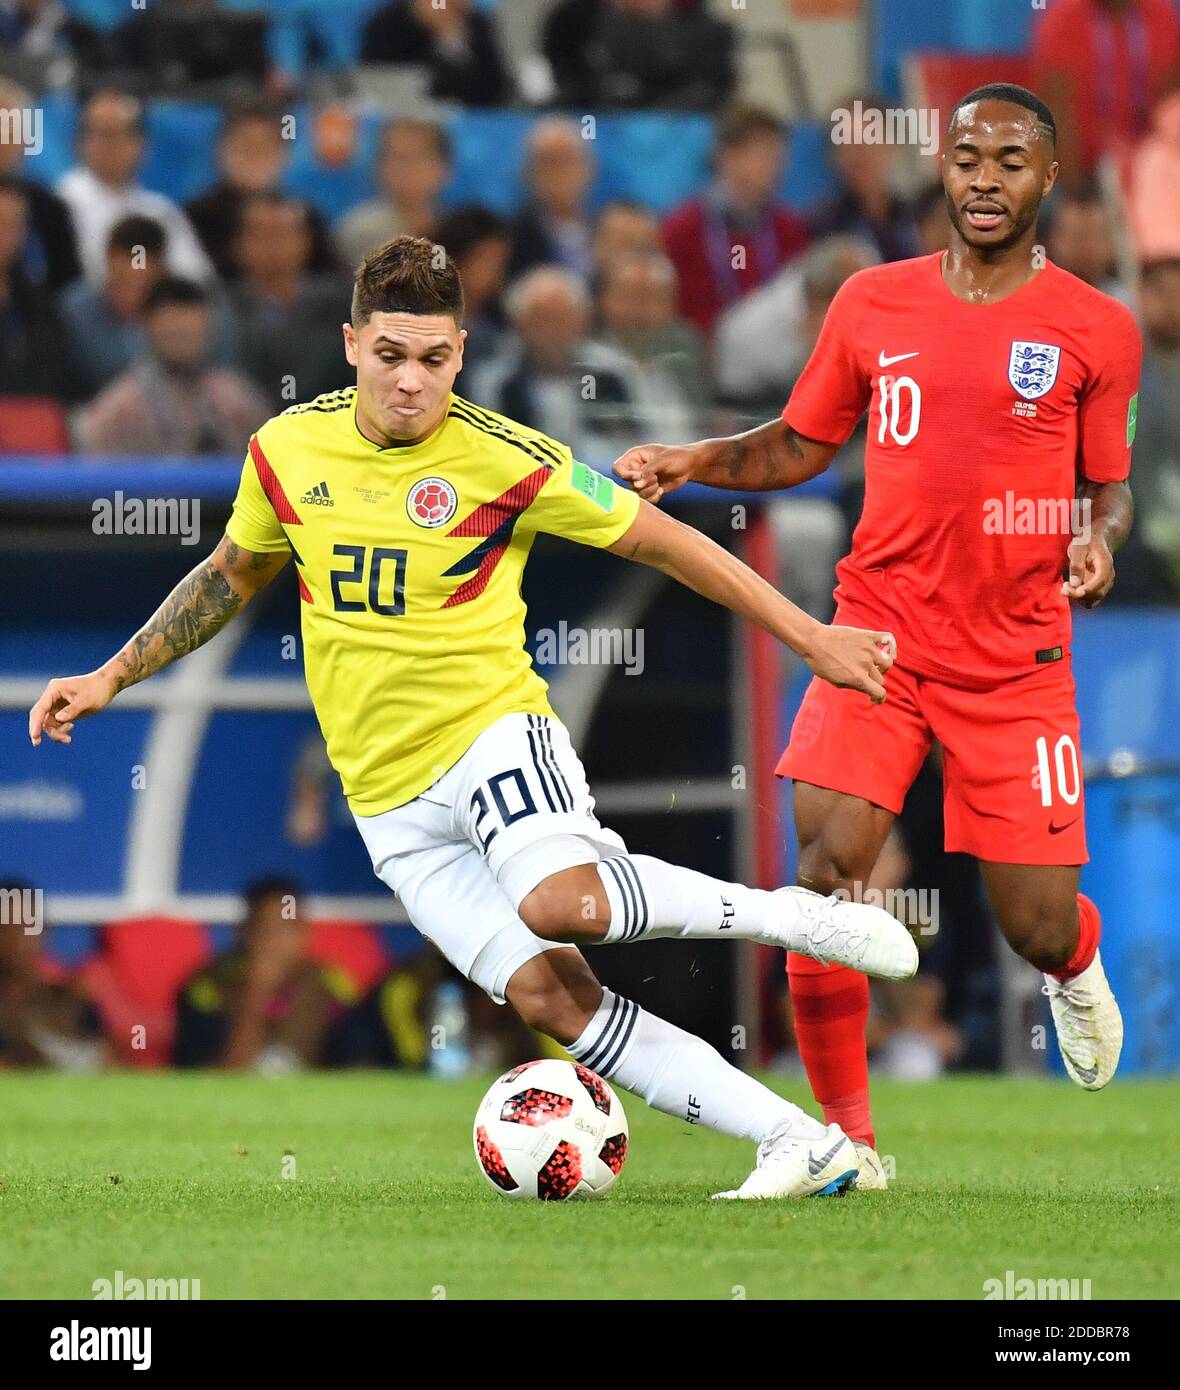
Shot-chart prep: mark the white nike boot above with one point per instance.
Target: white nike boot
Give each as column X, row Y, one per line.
column 836, row 931
column 871, row 1177
column 788, row 1166
column 1089, row 1025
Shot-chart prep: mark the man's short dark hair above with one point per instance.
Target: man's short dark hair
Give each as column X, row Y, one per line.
column 436, row 133
column 624, row 205
column 462, row 231
column 1156, row 266
column 135, row 105
column 271, row 198
column 174, row 289
column 738, row 124
column 408, row 275
column 134, row 231
column 249, row 113
column 869, row 101
column 1017, row 96
column 261, row 890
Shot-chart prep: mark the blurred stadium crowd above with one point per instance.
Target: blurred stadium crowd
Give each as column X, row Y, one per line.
column 277, row 993
column 137, row 324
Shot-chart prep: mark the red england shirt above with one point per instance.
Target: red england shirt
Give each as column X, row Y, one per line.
column 982, row 417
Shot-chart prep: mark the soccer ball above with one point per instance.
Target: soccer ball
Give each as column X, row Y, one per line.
column 551, row 1130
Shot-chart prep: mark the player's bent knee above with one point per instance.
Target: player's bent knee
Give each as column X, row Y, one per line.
column 564, row 905
column 545, row 911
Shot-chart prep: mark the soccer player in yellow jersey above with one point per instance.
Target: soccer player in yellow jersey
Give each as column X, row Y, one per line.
column 409, row 513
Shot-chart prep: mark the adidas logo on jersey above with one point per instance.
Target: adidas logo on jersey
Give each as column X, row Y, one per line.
column 318, row 496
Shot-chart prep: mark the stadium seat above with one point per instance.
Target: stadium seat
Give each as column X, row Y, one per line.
column 354, row 948
column 32, row 425
column 993, row 29
column 59, row 126
column 103, row 14
column 182, row 138
column 134, row 979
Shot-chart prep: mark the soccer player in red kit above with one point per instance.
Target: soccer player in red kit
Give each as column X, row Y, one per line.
column 1001, row 394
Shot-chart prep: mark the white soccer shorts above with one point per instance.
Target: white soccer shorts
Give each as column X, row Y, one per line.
column 514, row 809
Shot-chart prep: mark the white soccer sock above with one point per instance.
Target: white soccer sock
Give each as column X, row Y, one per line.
column 681, row 1074
column 649, row 898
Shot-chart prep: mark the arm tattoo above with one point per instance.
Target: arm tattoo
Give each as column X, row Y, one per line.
column 233, row 554
column 197, row 609
column 756, row 460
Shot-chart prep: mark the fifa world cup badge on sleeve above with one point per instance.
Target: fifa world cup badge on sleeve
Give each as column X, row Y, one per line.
column 597, row 486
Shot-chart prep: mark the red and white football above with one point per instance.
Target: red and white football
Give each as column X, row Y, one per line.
column 550, row 1130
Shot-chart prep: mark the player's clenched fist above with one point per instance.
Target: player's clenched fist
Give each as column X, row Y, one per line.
column 66, row 700
column 854, row 659
column 1091, row 572
column 654, row 469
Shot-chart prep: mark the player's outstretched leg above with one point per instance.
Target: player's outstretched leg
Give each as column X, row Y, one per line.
column 633, row 897
column 1057, row 929
column 683, row 1076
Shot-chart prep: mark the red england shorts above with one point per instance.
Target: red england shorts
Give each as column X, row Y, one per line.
column 1012, row 772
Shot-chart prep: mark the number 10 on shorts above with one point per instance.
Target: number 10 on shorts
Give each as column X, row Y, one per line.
column 1068, row 779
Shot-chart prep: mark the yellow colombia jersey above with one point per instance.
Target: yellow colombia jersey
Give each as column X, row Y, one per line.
column 410, row 560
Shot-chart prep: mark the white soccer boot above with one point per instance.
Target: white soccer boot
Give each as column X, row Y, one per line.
column 789, row 1166
column 1089, row 1025
column 836, row 931
column 871, row 1177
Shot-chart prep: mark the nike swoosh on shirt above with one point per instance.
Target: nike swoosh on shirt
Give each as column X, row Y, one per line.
column 883, row 361
column 1057, row 829
column 815, row 1166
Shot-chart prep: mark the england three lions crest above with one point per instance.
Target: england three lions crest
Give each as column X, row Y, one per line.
column 1032, row 368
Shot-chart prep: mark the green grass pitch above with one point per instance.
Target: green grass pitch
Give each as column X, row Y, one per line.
column 182, row 1176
